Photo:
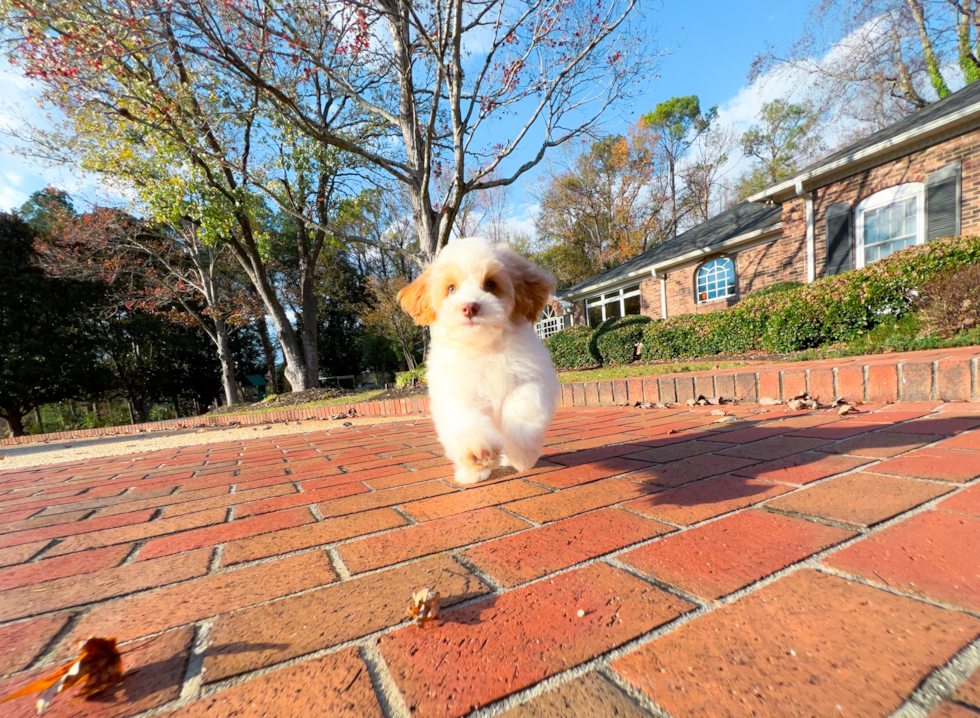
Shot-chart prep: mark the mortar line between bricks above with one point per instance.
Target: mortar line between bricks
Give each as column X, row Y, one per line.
column 634, row 693
column 495, row 586
column 535, row 524
column 338, row 564
column 855, row 578
column 386, row 690
column 50, row 650
column 193, row 678
column 662, row 585
column 941, row 684
column 401, row 512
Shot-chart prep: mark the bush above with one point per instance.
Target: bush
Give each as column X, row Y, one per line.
column 615, row 340
column 411, row 377
column 950, row 303
column 570, row 348
column 776, row 288
column 830, row 310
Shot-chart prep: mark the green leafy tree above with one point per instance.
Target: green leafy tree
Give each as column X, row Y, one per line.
column 397, row 84
column 678, row 123
column 786, row 137
column 48, row 330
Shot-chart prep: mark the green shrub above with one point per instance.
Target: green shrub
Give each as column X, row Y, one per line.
column 835, row 309
column 411, row 377
column 570, row 348
column 615, row 340
column 776, row 288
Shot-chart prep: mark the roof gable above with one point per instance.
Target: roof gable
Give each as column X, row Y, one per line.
column 744, row 218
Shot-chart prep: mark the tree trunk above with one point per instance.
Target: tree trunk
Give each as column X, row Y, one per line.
column 309, row 308
column 15, row 421
column 409, row 359
column 285, row 335
column 270, row 357
column 227, row 362
column 37, row 418
column 295, row 370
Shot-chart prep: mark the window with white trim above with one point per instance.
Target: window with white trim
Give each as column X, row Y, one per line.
column 888, row 221
column 716, row 279
column 613, row 304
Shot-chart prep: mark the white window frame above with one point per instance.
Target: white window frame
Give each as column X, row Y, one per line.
column 697, row 283
column 882, row 199
column 601, row 300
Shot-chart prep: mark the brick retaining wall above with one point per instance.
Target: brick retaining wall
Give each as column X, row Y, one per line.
column 939, row 374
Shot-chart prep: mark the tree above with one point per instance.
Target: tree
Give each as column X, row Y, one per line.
column 192, row 149
column 385, row 317
column 341, row 295
column 871, row 62
column 604, row 205
column 47, row 330
column 677, row 124
column 412, row 90
column 784, row 141
column 705, row 185
column 154, row 359
column 153, row 267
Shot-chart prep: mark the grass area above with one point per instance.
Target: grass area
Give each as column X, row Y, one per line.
column 336, row 401
column 626, row 371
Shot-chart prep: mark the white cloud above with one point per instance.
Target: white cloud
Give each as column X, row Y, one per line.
column 10, row 198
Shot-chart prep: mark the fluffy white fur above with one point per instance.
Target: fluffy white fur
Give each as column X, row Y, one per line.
column 492, row 387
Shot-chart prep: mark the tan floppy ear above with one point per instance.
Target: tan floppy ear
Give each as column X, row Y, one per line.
column 532, row 287
column 414, row 299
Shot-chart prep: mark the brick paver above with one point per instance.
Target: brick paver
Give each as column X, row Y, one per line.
column 723, row 556
column 289, row 562
column 859, row 499
column 808, row 644
column 934, row 554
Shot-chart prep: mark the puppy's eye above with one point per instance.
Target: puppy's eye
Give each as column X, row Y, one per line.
column 451, row 289
column 489, row 286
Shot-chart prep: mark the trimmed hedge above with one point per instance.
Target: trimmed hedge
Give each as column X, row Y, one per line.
column 776, row 288
column 570, row 348
column 615, row 340
column 830, row 310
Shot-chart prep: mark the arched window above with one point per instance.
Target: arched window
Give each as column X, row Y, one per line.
column 549, row 312
column 890, row 220
column 716, row 279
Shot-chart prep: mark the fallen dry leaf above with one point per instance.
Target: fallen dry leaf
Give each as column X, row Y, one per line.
column 424, row 608
column 98, row 667
column 846, row 409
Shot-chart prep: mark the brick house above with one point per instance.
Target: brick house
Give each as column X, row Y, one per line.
column 913, row 181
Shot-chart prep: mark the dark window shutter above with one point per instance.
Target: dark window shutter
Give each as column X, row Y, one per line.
column 838, row 219
column 943, row 202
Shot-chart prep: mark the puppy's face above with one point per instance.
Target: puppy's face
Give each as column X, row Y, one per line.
column 477, row 290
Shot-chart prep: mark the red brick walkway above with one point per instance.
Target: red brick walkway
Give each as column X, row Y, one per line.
column 656, row 563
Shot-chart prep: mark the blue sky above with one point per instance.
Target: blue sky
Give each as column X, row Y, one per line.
column 711, row 45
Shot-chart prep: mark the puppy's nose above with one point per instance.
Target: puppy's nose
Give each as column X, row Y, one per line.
column 471, row 309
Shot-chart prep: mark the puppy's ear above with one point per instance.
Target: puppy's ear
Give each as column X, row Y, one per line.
column 532, row 286
column 415, row 301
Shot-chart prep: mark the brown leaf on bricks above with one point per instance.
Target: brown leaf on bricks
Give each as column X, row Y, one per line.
column 424, row 608
column 98, row 667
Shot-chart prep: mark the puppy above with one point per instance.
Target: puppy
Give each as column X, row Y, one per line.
column 492, row 387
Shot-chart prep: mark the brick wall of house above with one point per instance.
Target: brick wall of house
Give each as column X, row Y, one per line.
column 650, row 298
column 755, row 267
column 913, row 167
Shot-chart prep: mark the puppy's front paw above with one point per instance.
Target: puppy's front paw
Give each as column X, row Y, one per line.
column 466, row 476
column 481, row 453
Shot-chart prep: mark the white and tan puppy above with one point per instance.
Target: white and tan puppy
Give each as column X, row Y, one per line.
column 492, row 387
